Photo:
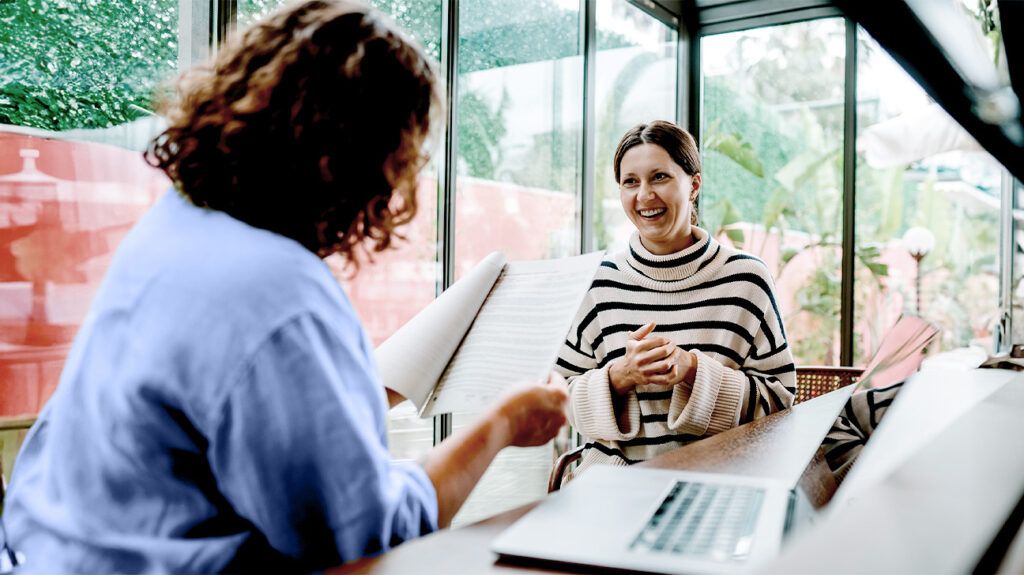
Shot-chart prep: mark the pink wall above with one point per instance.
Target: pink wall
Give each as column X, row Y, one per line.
column 61, row 217
column 61, row 222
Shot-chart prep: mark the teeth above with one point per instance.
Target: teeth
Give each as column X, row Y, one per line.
column 649, row 213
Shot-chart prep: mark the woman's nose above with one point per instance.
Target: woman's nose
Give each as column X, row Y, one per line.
column 646, row 192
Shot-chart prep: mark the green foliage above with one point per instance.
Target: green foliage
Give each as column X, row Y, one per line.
column 611, row 124
column 868, row 256
column 987, row 15
column 551, row 162
column 492, row 38
column 772, row 155
column 720, row 216
column 820, row 297
column 421, row 18
column 480, row 132
column 83, row 64
column 497, row 33
column 734, row 147
column 758, row 143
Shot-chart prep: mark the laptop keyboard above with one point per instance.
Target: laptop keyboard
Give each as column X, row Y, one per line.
column 703, row 521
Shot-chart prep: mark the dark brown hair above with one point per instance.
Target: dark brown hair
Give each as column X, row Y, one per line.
column 311, row 123
column 677, row 142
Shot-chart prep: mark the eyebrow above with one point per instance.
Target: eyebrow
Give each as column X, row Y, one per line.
column 652, row 171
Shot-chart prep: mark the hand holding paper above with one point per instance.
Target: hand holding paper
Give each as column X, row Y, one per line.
column 534, row 411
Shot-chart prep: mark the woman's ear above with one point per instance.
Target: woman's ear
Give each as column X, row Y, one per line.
column 696, row 187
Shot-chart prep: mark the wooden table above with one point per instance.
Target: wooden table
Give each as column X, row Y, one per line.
column 776, row 446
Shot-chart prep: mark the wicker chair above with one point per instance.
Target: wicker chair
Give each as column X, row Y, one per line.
column 815, row 380
column 811, row 381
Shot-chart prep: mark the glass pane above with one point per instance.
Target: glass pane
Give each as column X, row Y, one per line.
column 924, row 188
column 420, row 18
column 398, row 283
column 519, row 117
column 635, row 82
column 773, row 166
column 76, row 101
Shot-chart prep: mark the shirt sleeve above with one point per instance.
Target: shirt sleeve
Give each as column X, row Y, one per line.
column 299, row 450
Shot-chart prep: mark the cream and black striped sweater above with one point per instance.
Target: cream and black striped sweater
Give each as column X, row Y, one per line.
column 710, row 299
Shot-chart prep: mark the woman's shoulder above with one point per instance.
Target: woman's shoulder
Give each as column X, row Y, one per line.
column 615, row 272
column 736, row 260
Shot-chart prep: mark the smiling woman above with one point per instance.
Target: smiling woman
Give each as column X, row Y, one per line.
column 679, row 337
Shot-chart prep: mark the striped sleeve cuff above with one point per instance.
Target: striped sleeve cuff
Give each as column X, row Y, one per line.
column 713, row 405
column 592, row 409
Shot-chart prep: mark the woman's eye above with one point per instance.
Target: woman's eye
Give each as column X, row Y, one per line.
column 629, row 182
column 660, row 176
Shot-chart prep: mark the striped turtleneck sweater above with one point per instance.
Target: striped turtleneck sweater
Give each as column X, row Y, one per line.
column 709, row 299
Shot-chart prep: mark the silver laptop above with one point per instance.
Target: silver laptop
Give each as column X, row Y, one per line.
column 655, row 520
column 665, row 521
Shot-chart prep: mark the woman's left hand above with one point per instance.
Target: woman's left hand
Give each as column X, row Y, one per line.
column 678, row 366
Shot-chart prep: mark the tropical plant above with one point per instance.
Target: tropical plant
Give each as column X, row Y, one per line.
column 88, row 64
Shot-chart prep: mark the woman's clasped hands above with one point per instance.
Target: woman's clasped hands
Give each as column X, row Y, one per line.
column 651, row 360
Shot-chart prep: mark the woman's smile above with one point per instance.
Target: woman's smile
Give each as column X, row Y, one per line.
column 652, row 213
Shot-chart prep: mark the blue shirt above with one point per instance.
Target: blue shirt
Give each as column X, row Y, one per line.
column 219, row 411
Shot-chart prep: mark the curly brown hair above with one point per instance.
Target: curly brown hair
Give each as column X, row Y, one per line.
column 312, row 123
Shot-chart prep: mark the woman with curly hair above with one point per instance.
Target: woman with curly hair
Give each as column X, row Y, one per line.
column 220, row 409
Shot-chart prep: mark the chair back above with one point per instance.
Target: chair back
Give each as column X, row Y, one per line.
column 12, row 434
column 557, row 475
column 815, row 380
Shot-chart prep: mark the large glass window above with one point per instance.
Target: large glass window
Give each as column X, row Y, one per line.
column 635, row 82
column 519, row 116
column 76, row 107
column 927, row 213
column 772, row 145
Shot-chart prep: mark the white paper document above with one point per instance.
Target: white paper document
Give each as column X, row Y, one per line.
column 502, row 324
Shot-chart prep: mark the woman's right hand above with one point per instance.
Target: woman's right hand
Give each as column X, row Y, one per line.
column 534, row 412
column 644, row 358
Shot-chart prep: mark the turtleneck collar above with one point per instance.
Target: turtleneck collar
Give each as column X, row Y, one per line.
column 675, row 266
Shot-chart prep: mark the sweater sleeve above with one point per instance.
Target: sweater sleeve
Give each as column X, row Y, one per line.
column 592, row 408
column 712, row 404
